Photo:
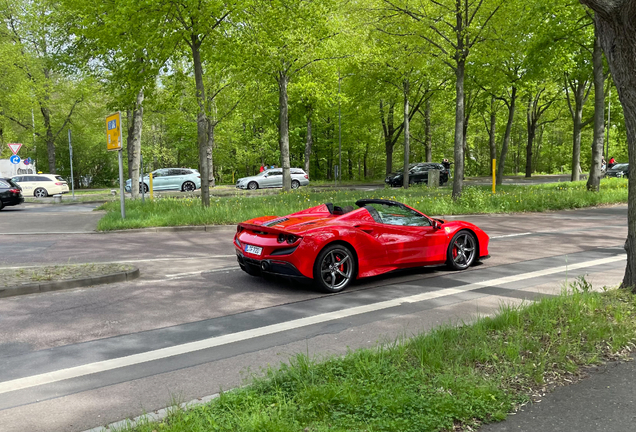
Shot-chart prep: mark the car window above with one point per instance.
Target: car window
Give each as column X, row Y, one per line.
column 398, row 215
column 158, row 173
column 17, row 179
column 275, row 173
column 4, row 184
column 620, row 166
column 186, row 172
column 174, row 172
column 59, row 178
column 42, row 179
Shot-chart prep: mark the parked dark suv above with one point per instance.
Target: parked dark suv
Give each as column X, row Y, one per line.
column 418, row 174
column 10, row 193
column 618, row 170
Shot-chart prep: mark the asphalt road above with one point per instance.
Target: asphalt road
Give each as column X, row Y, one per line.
column 194, row 323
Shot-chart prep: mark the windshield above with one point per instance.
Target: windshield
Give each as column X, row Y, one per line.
column 619, row 167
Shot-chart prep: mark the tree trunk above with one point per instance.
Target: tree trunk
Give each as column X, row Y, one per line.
column 506, row 140
column 594, row 180
column 309, row 142
column 50, row 140
column 407, row 136
column 458, row 181
column 427, row 132
column 616, row 24
column 129, row 143
column 388, row 130
column 577, row 120
column 137, row 122
column 491, row 133
column 283, row 81
column 202, row 121
column 531, row 124
column 209, row 154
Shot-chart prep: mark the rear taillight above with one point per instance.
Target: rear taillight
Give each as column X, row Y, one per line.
column 14, row 190
column 60, row 183
column 307, row 176
column 198, row 176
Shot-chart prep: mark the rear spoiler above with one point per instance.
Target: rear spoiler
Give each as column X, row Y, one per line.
column 260, row 229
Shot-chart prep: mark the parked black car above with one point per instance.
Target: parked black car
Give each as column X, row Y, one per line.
column 618, row 170
column 418, row 174
column 10, row 193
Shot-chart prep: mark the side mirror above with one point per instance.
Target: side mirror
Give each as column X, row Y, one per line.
column 437, row 225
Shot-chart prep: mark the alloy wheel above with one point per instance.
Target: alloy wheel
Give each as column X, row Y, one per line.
column 463, row 250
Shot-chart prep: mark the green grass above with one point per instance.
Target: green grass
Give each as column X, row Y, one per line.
column 453, row 376
column 478, row 199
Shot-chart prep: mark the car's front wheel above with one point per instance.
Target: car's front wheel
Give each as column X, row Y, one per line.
column 335, row 268
column 461, row 250
column 143, row 187
column 188, row 187
column 252, row 185
column 40, row 193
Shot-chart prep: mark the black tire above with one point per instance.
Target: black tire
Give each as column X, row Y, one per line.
column 295, row 184
column 335, row 268
column 188, row 187
column 252, row 185
column 40, row 193
column 1, row 205
column 144, row 186
column 462, row 250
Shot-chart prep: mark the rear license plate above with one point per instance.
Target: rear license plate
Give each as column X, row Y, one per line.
column 253, row 249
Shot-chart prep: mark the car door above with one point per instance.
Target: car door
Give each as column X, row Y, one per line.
column 409, row 237
column 274, row 179
column 175, row 178
column 159, row 179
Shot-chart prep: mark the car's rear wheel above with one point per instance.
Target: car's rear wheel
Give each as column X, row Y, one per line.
column 252, row 185
column 188, row 187
column 335, row 268
column 295, row 184
column 40, row 193
column 1, row 205
column 462, row 250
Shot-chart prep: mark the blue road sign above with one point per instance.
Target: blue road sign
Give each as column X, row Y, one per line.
column 27, row 161
column 15, row 159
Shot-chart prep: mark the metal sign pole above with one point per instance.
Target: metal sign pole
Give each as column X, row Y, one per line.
column 70, row 150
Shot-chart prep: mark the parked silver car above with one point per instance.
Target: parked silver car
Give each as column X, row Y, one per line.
column 273, row 178
column 183, row 179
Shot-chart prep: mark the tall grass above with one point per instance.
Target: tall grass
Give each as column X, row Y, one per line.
column 454, row 375
column 230, row 210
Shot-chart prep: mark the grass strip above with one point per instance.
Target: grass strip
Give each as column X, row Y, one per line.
column 25, row 275
column 451, row 378
column 477, row 199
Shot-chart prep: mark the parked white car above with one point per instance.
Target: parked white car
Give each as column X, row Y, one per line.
column 273, row 178
column 41, row 185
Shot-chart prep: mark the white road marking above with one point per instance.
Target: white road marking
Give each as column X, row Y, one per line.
column 511, row 235
column 182, row 275
column 106, row 365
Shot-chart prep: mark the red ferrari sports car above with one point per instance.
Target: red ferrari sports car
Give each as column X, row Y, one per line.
column 335, row 245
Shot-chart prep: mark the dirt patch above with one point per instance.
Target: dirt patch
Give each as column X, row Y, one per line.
column 27, row 275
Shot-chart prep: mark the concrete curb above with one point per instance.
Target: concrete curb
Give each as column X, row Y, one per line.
column 35, row 288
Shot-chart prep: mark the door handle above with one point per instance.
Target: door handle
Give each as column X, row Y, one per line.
column 365, row 228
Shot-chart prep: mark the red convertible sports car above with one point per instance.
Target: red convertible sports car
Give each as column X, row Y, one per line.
column 335, row 245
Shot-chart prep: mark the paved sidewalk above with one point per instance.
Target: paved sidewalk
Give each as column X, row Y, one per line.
column 604, row 402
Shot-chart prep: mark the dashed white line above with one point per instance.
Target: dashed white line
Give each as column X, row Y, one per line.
column 511, row 235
